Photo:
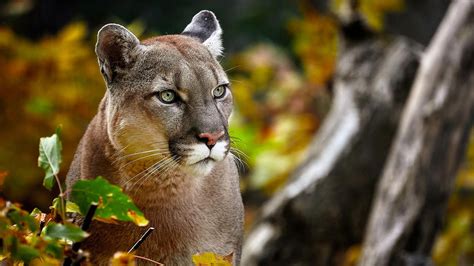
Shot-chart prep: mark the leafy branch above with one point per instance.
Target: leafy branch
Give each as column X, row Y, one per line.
column 52, row 237
column 50, row 159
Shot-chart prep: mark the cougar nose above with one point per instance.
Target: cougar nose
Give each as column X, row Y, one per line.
column 210, row 138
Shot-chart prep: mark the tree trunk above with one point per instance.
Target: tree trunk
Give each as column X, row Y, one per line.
column 428, row 149
column 324, row 208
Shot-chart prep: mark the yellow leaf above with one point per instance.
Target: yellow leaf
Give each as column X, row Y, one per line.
column 212, row 259
column 45, row 261
column 372, row 10
column 72, row 207
column 73, row 32
column 137, row 27
column 107, row 221
column 351, row 256
column 3, row 174
column 137, row 219
column 123, row 259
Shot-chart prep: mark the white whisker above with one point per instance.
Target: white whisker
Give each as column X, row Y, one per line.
column 138, row 159
column 138, row 153
column 142, row 180
column 144, row 171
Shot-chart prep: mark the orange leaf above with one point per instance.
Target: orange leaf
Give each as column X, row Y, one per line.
column 123, row 259
column 212, row 259
column 3, row 174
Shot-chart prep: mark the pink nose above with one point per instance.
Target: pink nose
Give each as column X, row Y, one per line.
column 211, row 138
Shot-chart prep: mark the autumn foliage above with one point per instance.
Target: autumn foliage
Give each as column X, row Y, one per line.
column 280, row 95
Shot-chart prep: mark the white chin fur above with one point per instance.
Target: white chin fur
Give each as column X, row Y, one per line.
column 199, row 152
column 200, row 169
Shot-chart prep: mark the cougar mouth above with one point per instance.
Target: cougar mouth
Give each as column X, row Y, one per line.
column 204, row 161
column 199, row 158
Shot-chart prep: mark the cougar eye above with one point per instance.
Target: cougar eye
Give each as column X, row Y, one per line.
column 219, row 92
column 167, row 96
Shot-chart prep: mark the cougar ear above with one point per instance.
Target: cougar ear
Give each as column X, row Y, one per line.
column 114, row 49
column 205, row 27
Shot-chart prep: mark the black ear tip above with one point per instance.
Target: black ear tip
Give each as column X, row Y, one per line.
column 205, row 27
column 205, row 15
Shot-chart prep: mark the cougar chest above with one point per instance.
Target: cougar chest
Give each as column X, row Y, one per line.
column 184, row 226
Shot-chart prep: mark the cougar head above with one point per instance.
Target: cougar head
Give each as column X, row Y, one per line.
column 168, row 100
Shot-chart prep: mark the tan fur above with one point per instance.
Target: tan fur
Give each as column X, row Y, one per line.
column 191, row 213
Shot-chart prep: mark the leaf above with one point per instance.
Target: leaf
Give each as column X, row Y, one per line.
column 113, row 203
column 23, row 220
column 35, row 212
column 56, row 205
column 55, row 249
column 3, row 175
column 50, row 158
column 21, row 252
column 137, row 218
column 212, row 259
column 46, row 261
column 25, row 253
column 71, row 207
column 122, row 259
column 65, row 231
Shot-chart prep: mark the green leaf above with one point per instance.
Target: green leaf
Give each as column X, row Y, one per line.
column 22, row 220
column 56, row 205
column 72, row 207
column 54, row 249
column 50, row 158
column 59, row 132
column 65, row 231
column 5, row 223
column 25, row 253
column 35, row 212
column 113, row 203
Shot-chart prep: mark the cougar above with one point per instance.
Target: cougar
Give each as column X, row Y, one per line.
column 161, row 134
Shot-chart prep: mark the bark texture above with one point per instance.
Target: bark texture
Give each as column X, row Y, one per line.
column 324, row 208
column 428, row 149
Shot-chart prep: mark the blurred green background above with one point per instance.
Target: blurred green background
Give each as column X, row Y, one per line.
column 279, row 55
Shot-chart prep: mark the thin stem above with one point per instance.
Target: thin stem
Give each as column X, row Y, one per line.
column 85, row 225
column 42, row 223
column 61, row 198
column 142, row 238
column 90, row 214
column 147, row 259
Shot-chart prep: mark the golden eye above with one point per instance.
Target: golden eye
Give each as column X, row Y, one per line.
column 167, row 96
column 219, row 92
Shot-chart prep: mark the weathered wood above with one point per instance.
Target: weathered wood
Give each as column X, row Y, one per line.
column 324, row 208
column 428, row 149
